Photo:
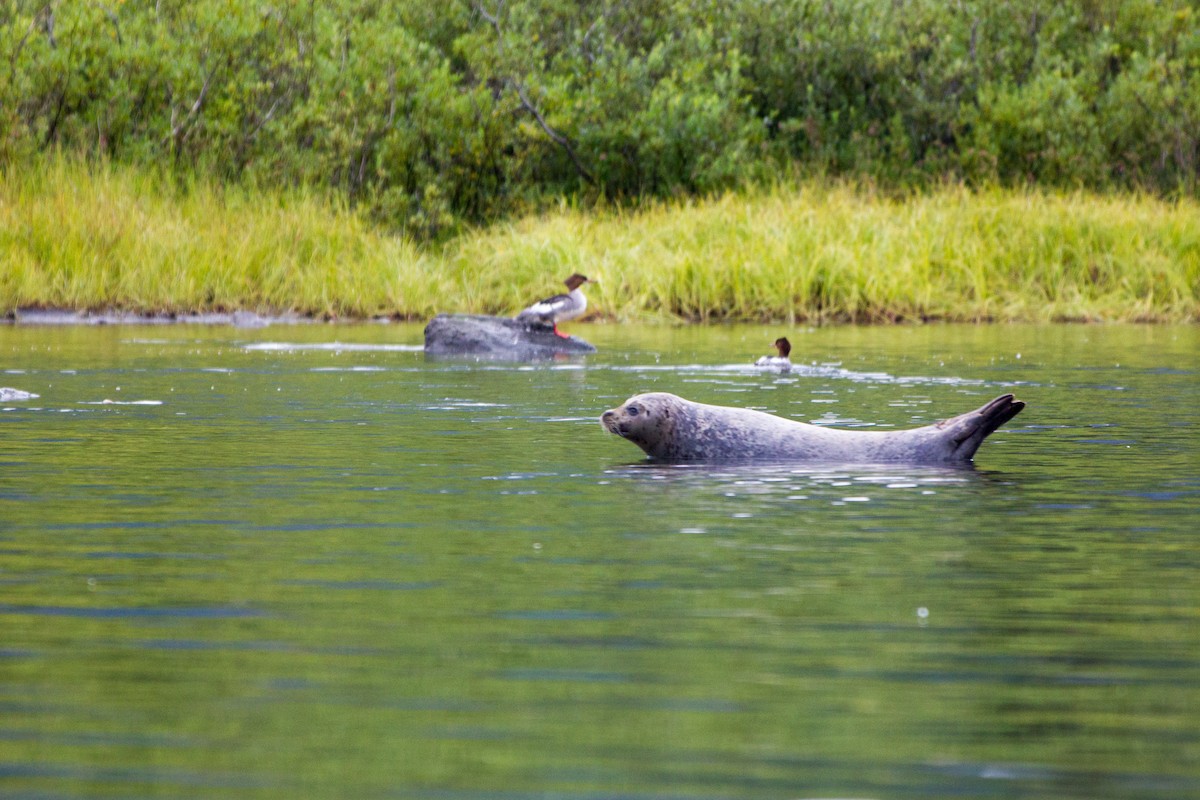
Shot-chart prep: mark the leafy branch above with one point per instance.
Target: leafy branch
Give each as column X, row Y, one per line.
column 523, row 96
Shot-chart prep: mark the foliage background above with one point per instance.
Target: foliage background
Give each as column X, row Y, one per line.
column 430, row 116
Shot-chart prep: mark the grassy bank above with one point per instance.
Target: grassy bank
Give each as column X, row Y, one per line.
column 115, row 238
column 81, row 238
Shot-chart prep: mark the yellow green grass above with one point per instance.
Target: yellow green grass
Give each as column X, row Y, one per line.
column 85, row 237
column 81, row 237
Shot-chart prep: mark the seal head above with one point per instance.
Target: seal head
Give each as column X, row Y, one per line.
column 647, row 420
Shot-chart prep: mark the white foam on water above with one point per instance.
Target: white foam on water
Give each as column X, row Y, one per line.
column 347, row 369
column 107, row 402
column 333, row 347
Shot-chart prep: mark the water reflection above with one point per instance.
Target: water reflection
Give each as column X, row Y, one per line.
column 790, row 474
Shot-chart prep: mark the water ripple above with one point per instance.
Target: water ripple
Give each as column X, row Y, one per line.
column 133, row 612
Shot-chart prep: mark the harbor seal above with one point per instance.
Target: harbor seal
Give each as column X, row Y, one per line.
column 670, row 428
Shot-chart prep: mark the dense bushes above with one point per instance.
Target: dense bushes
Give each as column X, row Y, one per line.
column 432, row 114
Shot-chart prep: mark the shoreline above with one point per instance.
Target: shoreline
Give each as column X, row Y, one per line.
column 63, row 317
column 52, row 317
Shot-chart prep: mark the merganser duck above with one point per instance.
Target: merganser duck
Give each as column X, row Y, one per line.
column 560, row 307
column 780, row 361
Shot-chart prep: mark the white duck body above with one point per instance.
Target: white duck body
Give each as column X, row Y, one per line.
column 560, row 307
column 781, row 362
column 774, row 362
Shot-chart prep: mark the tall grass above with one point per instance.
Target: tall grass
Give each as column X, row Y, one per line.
column 841, row 253
column 103, row 237
column 91, row 237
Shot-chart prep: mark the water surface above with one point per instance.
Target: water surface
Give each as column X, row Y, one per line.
column 304, row 561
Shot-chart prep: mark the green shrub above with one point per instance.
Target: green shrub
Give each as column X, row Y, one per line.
column 432, row 116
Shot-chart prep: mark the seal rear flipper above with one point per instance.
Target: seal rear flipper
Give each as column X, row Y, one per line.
column 967, row 431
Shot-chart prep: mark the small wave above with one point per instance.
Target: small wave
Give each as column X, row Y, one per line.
column 347, row 369
column 831, row 370
column 9, row 395
column 334, row 347
column 107, row 402
column 453, row 404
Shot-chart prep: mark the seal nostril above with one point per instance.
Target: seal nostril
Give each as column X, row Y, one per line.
column 607, row 415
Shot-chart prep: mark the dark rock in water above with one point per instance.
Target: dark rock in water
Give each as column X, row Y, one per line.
column 499, row 338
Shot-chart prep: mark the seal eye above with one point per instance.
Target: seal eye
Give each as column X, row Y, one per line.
column 632, row 411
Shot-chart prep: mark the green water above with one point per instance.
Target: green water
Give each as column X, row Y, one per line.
column 306, row 562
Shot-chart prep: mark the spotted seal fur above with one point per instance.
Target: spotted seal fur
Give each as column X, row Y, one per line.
column 670, row 428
